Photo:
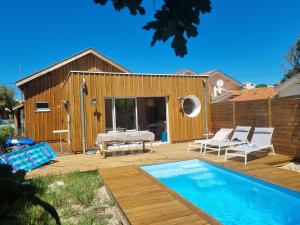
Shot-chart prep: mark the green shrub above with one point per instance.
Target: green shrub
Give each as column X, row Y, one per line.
column 5, row 132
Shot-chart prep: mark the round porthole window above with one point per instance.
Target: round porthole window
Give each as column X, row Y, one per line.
column 191, row 106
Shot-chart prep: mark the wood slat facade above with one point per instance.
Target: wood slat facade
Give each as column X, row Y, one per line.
column 48, row 88
column 62, row 84
column 102, row 85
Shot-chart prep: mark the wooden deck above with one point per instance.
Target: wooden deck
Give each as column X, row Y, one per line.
column 144, row 200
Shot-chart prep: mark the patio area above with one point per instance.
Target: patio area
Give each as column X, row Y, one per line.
column 172, row 152
column 136, row 191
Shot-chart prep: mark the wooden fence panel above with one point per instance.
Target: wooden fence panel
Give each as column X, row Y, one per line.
column 286, row 120
column 221, row 115
column 281, row 113
column 252, row 113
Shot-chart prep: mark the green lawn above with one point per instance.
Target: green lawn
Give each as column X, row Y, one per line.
column 76, row 196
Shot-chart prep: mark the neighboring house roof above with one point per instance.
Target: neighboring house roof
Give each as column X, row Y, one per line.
column 68, row 60
column 186, row 72
column 255, row 94
column 226, row 96
column 289, row 82
column 245, row 95
column 211, row 73
column 18, row 106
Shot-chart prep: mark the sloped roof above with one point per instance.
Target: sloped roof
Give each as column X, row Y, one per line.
column 226, row 96
column 255, row 94
column 18, row 106
column 68, row 60
column 186, row 72
column 291, row 81
column 211, row 73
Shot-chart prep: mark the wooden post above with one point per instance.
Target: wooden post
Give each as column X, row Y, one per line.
column 233, row 114
column 270, row 112
column 103, row 149
column 144, row 146
column 151, row 146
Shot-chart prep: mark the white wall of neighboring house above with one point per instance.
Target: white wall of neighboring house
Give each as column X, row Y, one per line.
column 290, row 87
column 291, row 90
column 248, row 85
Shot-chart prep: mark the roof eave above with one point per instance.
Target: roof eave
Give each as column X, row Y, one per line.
column 226, row 75
column 21, row 82
column 144, row 74
column 221, row 98
column 288, row 82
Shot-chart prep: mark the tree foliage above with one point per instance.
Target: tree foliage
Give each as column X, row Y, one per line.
column 134, row 6
column 16, row 193
column 293, row 58
column 261, row 85
column 5, row 132
column 7, row 95
column 177, row 19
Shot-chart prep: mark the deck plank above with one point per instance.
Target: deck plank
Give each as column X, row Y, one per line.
column 135, row 190
column 146, row 201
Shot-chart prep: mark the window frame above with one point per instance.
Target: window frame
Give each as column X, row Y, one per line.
column 42, row 109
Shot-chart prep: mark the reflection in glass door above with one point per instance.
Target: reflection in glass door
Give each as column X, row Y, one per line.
column 121, row 114
column 109, row 114
column 125, row 114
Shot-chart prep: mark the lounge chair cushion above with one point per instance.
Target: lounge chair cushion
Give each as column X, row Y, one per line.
column 262, row 136
column 222, row 134
column 242, row 129
column 204, row 141
column 264, row 130
column 248, row 148
column 241, row 133
column 225, row 143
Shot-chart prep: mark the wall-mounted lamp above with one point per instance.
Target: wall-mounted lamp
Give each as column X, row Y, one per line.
column 180, row 99
column 66, row 103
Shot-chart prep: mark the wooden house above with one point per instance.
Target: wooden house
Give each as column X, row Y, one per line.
column 112, row 99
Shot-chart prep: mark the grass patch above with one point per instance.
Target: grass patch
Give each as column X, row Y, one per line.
column 74, row 195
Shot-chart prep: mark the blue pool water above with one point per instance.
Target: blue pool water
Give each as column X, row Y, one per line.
column 230, row 197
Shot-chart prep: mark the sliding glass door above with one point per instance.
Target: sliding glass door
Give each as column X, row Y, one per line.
column 125, row 113
column 121, row 114
column 109, row 112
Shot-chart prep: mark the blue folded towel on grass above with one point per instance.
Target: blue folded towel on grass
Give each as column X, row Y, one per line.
column 29, row 158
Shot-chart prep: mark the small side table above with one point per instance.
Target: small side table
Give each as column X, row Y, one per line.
column 60, row 140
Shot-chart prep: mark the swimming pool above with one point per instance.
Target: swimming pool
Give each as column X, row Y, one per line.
column 230, row 197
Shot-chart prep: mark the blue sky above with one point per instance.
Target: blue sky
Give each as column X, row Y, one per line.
column 245, row 39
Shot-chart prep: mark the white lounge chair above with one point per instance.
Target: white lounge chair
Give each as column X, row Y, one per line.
column 239, row 137
column 221, row 135
column 261, row 140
